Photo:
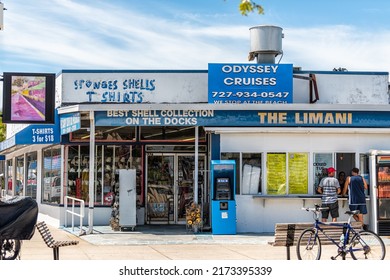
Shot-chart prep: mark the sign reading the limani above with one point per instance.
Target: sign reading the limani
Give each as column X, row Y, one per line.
column 250, row 83
column 28, row 98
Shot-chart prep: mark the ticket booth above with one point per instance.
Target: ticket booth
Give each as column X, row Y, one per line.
column 223, row 204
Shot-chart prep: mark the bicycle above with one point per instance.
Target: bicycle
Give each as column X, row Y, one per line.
column 361, row 245
column 10, row 249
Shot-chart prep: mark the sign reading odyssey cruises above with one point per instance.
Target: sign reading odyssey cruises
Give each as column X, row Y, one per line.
column 250, row 83
column 241, row 118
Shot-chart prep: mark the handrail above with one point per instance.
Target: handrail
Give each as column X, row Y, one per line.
column 73, row 213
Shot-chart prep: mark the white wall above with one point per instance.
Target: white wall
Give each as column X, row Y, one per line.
column 258, row 214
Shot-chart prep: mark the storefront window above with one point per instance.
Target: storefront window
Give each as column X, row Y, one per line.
column 31, row 187
column 51, row 191
column 298, row 173
column 251, row 173
column 321, row 162
column 276, row 174
column 109, row 159
column 19, row 186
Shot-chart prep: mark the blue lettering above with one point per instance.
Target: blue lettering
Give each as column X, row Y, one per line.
column 126, row 98
column 90, row 93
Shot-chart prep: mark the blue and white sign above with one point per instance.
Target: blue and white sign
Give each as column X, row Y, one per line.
column 243, row 118
column 69, row 123
column 250, row 83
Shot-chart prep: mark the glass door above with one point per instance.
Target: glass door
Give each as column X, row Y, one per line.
column 185, row 183
column 160, row 188
column 170, row 179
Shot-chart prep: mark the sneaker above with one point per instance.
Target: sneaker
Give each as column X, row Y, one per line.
column 365, row 227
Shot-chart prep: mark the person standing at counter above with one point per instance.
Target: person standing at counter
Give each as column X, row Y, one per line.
column 356, row 185
column 329, row 187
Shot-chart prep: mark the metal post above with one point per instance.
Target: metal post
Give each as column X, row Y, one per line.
column 91, row 171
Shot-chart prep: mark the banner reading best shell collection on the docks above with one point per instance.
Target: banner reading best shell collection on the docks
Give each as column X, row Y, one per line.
column 243, row 118
column 250, row 83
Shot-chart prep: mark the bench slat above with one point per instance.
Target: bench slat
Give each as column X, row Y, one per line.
column 285, row 230
column 51, row 242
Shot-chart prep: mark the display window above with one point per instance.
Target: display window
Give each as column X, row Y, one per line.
column 321, row 163
column 248, row 171
column 31, row 186
column 109, row 159
column 251, row 173
column 51, row 191
column 20, row 182
column 298, row 173
column 276, row 174
column 287, row 173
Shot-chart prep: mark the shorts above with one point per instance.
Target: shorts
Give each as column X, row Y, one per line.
column 333, row 209
column 361, row 207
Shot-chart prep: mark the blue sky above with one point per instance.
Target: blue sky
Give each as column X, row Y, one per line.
column 51, row 35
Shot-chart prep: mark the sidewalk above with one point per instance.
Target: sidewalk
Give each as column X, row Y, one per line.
column 151, row 243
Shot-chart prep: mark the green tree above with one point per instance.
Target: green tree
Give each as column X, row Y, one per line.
column 248, row 6
column 2, row 130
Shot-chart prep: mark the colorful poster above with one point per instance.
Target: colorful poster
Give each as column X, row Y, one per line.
column 298, row 173
column 276, row 174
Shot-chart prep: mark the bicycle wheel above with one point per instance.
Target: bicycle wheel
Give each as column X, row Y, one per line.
column 367, row 245
column 308, row 245
column 10, row 249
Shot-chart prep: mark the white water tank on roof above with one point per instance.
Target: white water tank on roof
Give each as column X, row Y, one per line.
column 266, row 43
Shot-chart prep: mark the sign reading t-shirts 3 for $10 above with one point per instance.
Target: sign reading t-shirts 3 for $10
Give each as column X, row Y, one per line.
column 250, row 83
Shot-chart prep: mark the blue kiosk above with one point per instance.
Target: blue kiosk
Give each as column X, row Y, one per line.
column 223, row 203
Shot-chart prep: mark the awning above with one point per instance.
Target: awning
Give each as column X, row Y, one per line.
column 33, row 134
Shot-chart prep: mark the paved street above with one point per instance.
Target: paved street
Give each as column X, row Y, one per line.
column 163, row 245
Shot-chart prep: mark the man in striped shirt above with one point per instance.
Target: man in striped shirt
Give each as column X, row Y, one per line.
column 329, row 188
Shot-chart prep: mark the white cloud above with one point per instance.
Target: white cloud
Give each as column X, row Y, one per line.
column 338, row 46
column 66, row 35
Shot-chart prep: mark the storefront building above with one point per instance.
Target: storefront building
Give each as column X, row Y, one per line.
column 170, row 125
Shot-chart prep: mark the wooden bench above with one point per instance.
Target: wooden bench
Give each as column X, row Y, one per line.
column 51, row 242
column 287, row 234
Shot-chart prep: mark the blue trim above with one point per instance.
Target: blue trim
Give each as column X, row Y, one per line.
column 215, row 146
column 206, row 71
column 134, row 71
column 35, row 134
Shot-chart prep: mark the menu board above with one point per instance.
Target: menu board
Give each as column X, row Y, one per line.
column 276, row 173
column 298, row 173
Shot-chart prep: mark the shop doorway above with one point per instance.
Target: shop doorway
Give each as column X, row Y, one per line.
column 344, row 164
column 170, row 186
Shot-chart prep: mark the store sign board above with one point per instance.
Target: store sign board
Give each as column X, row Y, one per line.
column 70, row 122
column 33, row 134
column 243, row 118
column 134, row 87
column 39, row 134
column 250, row 83
column 246, row 118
